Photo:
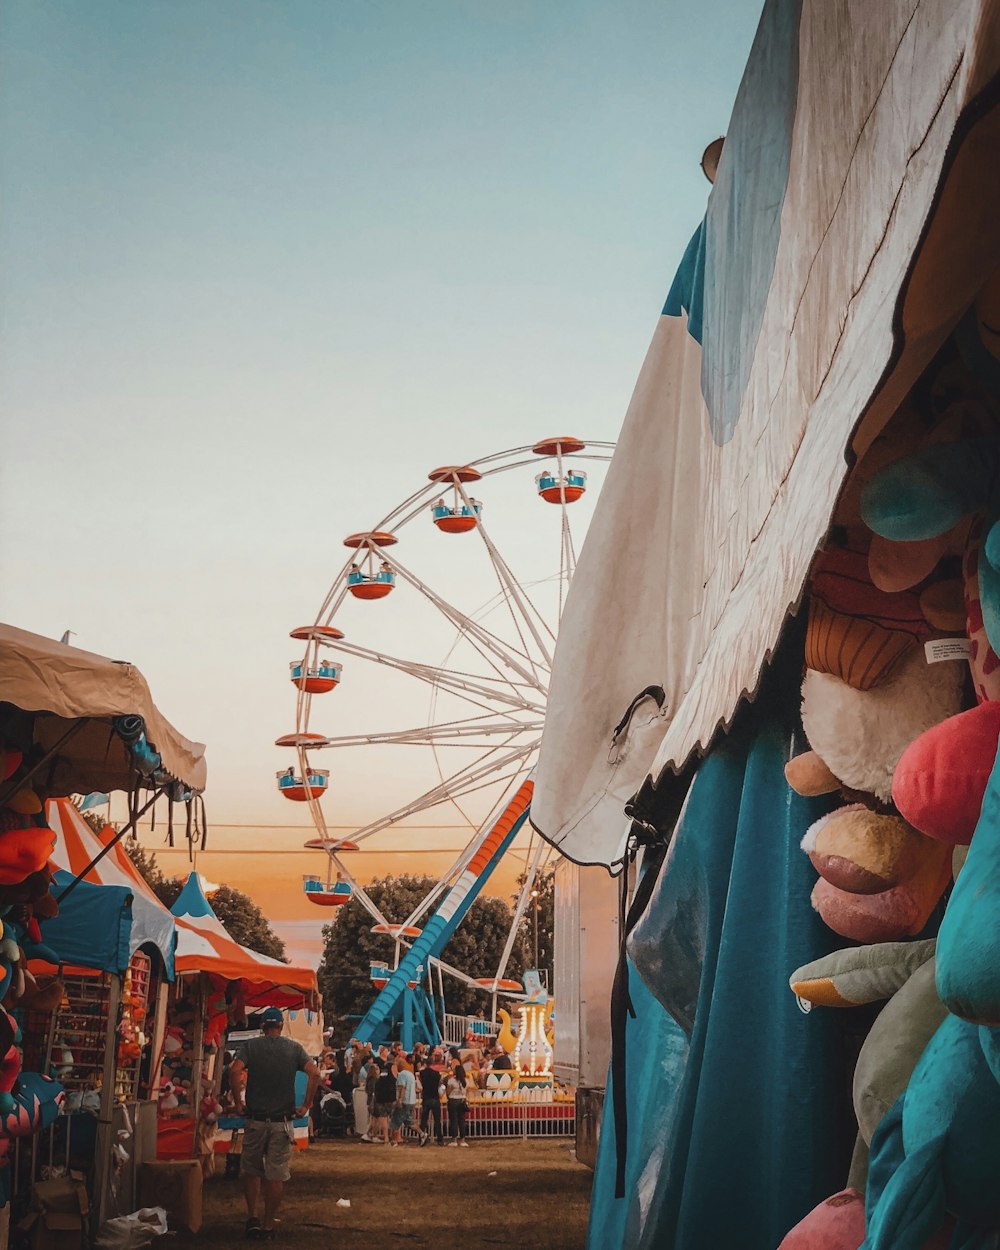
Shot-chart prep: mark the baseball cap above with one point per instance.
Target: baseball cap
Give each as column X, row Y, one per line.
column 272, row 1016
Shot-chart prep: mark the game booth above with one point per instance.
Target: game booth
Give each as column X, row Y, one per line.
column 86, row 949
column 219, row 984
column 788, row 757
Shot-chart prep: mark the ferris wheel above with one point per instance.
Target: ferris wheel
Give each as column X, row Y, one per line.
column 452, row 665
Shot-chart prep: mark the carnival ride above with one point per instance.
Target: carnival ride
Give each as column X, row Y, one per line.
column 487, row 696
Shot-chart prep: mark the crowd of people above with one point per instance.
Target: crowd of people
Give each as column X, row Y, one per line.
column 396, row 1097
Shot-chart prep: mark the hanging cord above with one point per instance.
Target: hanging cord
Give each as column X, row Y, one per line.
column 654, row 818
column 651, row 692
column 170, row 818
column 204, row 822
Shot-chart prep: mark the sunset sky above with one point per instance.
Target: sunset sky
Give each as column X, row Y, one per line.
column 265, row 266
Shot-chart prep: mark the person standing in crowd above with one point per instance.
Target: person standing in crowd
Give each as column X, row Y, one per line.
column 385, row 1101
column 373, row 1070
column 430, row 1096
column 360, row 1059
column 457, row 1105
column 263, row 1082
column 406, row 1100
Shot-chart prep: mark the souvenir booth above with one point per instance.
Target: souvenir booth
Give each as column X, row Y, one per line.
column 72, row 722
column 788, row 758
column 218, row 984
column 116, row 945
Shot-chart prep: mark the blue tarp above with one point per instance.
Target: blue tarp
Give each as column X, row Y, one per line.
column 736, row 1124
column 96, row 928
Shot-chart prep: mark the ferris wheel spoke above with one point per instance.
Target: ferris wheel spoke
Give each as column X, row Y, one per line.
column 454, row 733
column 464, row 685
column 507, row 655
column 367, row 902
column 459, row 783
column 522, row 903
column 514, row 595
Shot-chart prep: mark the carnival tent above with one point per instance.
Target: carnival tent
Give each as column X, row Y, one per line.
column 203, row 945
column 833, row 261
column 76, row 694
column 112, row 912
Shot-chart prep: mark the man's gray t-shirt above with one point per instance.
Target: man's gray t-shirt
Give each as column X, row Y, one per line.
column 271, row 1064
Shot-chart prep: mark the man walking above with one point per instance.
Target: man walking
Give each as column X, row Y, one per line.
column 263, row 1080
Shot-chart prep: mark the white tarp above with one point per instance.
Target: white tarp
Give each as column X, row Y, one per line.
column 851, row 222
column 71, row 688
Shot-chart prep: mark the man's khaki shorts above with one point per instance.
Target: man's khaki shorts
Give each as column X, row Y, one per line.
column 267, row 1149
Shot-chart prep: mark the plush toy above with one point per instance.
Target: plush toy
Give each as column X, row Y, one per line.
column 168, row 1096
column 938, row 1149
column 37, row 1102
column 62, row 1060
column 10, row 760
column 940, row 780
column 903, row 973
column 25, row 846
column 968, row 970
column 917, row 497
column 173, row 1040
column 10, row 1061
column 210, row 1109
column 838, row 1223
column 880, row 878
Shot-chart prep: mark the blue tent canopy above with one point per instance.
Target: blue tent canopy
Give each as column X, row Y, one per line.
column 99, row 927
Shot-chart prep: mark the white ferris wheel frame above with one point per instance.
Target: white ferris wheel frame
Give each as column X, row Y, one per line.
column 511, row 703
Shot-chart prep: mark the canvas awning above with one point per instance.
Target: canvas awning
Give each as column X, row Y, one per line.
column 852, row 221
column 203, row 945
column 62, row 686
column 112, row 912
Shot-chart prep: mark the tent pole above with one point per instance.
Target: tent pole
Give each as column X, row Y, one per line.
column 20, row 782
column 156, row 1041
column 198, row 1059
column 105, row 1123
column 127, row 828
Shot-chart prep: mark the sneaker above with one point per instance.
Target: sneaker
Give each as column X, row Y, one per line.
column 424, row 1138
column 365, row 1137
column 453, row 1143
column 252, row 1229
column 465, row 1144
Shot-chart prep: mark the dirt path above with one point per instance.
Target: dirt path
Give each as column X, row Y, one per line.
column 410, row 1197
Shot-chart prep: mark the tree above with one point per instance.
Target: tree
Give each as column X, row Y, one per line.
column 538, row 923
column 245, row 922
column 349, row 947
column 242, row 919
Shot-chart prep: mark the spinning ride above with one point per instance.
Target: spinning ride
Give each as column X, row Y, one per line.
column 487, row 696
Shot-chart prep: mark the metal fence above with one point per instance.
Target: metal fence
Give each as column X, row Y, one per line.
column 518, row 1115
column 459, row 1028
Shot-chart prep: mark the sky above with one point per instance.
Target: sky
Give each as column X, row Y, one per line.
column 265, row 265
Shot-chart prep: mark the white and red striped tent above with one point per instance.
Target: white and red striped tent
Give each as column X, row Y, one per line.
column 203, row 945
column 102, row 928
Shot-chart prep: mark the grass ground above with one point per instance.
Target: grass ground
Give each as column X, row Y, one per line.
column 437, row 1197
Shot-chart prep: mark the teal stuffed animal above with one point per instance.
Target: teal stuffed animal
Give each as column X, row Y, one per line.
column 938, row 1149
column 916, row 498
